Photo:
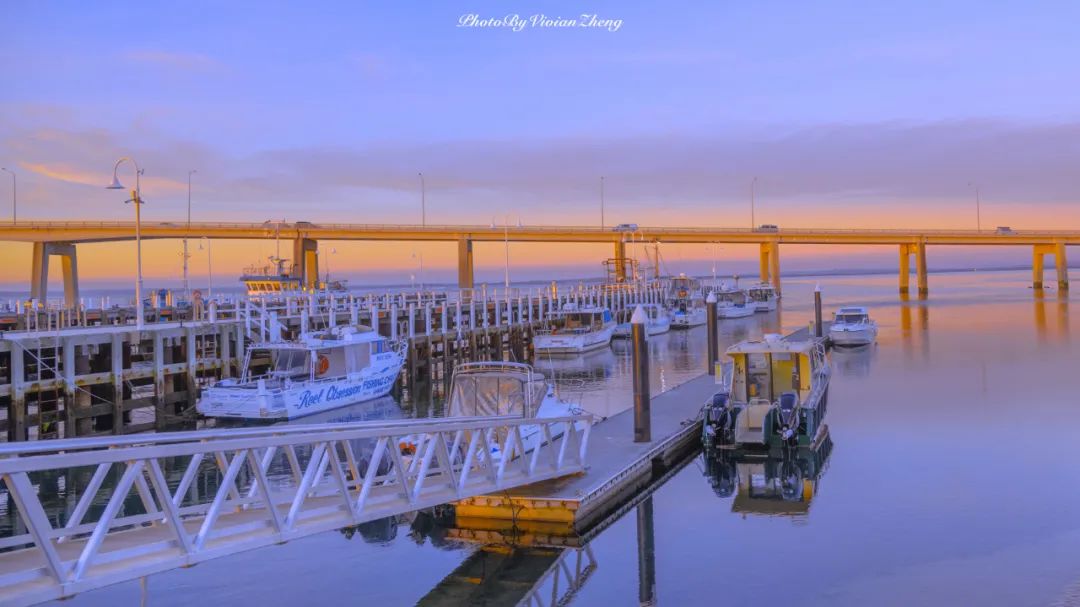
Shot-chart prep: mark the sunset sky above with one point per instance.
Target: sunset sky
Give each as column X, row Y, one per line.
column 849, row 114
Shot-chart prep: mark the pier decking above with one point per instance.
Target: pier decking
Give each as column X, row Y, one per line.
column 618, row 467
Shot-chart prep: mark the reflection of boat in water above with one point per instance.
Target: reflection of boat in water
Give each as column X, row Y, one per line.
column 773, row 393
column 318, row 372
column 384, row 407
column 589, row 363
column 852, row 326
column 854, row 361
column 782, row 485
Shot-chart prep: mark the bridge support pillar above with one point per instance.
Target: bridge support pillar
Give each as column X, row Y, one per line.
column 620, row 261
column 769, row 264
column 918, row 249
column 306, row 259
column 39, row 279
column 1061, row 265
column 465, row 263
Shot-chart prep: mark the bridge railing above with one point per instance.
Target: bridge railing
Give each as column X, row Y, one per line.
column 142, row 511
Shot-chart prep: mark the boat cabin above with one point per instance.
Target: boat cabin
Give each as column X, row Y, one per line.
column 852, row 316
column 582, row 320
column 761, row 292
column 316, row 356
column 496, row 388
column 683, row 287
column 732, row 297
column 766, row 369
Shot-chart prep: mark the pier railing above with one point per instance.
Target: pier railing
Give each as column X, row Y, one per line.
column 272, row 485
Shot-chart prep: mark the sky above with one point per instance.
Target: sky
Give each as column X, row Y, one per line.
column 848, row 114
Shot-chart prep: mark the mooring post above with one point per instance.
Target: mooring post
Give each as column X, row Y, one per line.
column 710, row 325
column 818, row 332
column 642, row 421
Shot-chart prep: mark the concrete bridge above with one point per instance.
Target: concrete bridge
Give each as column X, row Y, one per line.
column 58, row 238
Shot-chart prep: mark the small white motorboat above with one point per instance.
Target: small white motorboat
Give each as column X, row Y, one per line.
column 762, row 296
column 318, row 372
column 657, row 321
column 686, row 302
column 732, row 302
column 852, row 326
column 576, row 330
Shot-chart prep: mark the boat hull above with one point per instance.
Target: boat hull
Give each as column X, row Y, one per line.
column 735, row 311
column 853, row 337
column 301, row 399
column 688, row 320
column 567, row 343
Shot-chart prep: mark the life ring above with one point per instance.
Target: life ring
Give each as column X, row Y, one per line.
column 323, row 365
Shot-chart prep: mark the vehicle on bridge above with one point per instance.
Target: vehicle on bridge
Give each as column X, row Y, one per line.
column 766, row 227
column 773, row 394
column 318, row 372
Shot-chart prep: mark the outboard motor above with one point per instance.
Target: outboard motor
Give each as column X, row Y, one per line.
column 719, row 422
column 722, row 472
column 789, row 415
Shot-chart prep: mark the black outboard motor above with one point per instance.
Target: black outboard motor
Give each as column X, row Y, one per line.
column 719, row 422
column 722, row 473
column 789, row 415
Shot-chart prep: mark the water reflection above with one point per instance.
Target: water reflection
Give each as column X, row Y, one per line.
column 915, row 333
column 853, row 361
column 764, row 484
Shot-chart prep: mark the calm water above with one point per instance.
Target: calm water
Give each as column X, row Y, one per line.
column 952, row 477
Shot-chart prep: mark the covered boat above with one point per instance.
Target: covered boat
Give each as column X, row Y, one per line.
column 317, row 372
column 762, row 296
column 687, row 304
column 773, row 393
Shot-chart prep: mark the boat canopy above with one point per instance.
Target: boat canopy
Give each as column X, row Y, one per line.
column 496, row 388
column 769, row 367
column 852, row 315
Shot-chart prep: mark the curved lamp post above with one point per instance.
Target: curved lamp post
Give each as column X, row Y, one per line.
column 136, row 199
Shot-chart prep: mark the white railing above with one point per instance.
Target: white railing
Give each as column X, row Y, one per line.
column 273, row 485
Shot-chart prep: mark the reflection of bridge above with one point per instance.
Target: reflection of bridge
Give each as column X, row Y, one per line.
column 278, row 483
column 59, row 237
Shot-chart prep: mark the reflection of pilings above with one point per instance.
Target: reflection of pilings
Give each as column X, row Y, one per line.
column 910, row 330
column 646, row 553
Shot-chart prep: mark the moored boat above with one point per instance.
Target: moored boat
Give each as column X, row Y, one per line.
column 852, row 326
column 687, row 304
column 732, row 302
column 657, row 321
column 576, row 330
column 774, row 392
column 317, row 372
column 762, row 296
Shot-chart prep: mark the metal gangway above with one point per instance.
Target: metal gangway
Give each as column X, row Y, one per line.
column 314, row 478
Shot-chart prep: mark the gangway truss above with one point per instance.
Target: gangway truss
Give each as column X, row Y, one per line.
column 314, row 478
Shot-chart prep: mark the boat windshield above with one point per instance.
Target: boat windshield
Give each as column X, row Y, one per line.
column 483, row 394
column 851, row 319
column 291, row 363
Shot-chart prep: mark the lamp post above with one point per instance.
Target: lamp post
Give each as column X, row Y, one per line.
column 601, row 202
column 187, row 288
column 978, row 209
column 136, row 200
column 14, row 195
column 209, row 268
column 423, row 201
column 753, row 183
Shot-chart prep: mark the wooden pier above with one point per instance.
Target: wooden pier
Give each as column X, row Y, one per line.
column 82, row 372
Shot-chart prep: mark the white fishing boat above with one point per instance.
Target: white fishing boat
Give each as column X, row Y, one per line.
column 687, row 304
column 318, row 372
column 576, row 330
column 852, row 326
column 657, row 321
column 496, row 388
column 763, row 297
column 732, row 302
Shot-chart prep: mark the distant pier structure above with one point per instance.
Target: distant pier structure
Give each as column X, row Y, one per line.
column 90, row 371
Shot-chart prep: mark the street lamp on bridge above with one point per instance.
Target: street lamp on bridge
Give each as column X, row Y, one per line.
column 14, row 194
column 136, row 200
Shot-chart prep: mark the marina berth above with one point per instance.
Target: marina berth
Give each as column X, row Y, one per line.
column 317, row 372
column 852, row 326
column 576, row 330
column 773, row 394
